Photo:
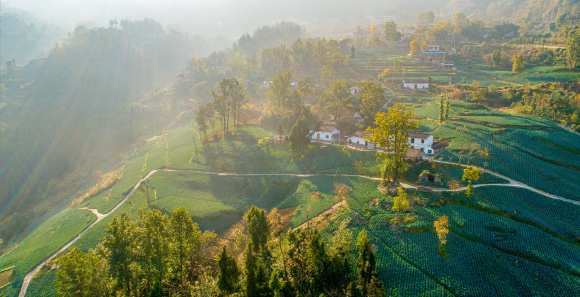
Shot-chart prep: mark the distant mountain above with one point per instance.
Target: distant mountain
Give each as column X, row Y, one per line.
column 24, row 37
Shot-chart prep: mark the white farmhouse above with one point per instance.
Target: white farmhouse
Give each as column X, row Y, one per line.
column 267, row 84
column 358, row 118
column 326, row 134
column 423, row 142
column 414, row 84
column 354, row 90
column 357, row 140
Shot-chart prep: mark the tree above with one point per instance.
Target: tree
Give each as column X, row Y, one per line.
column 441, row 109
column 185, row 239
column 299, row 136
column 391, row 136
column 442, row 229
column 397, row 66
column 371, row 95
column 229, row 273
column 153, row 248
column 518, row 66
column 573, row 49
column 447, row 108
column 120, row 244
column 385, row 74
column 82, row 275
column 470, row 173
column 415, row 47
column 426, row 18
column 366, row 266
column 400, row 201
column 458, row 21
column 336, row 99
column 373, row 29
column 201, row 120
column 258, row 228
column 471, row 149
column 391, row 33
column 424, row 46
column 496, row 58
column 352, row 49
column 341, row 191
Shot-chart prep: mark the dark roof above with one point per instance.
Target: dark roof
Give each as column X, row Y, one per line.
column 419, row 135
column 415, row 81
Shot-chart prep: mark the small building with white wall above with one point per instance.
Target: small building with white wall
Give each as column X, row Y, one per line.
column 414, row 84
column 326, row 134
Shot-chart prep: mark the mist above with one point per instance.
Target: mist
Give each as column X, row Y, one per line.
column 219, row 17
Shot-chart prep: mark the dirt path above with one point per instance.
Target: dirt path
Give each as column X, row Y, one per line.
column 100, row 217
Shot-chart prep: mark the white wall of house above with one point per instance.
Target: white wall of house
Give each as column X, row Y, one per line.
column 422, row 144
column 413, row 86
column 326, row 135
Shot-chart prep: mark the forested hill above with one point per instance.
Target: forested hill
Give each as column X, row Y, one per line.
column 66, row 113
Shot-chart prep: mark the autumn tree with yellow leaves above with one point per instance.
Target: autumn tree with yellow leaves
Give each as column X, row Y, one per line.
column 390, row 135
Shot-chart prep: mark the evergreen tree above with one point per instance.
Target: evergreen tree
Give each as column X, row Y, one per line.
column 441, row 110
column 366, row 264
column 258, row 228
column 447, row 109
column 250, row 264
column 299, row 136
column 229, row 273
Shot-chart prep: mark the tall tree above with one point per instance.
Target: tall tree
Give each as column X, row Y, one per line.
column 251, row 266
column 441, row 110
column 415, row 47
column 573, row 49
column 185, row 239
column 391, row 136
column 153, row 248
column 299, row 136
column 518, row 66
column 120, row 244
column 258, row 228
column 470, row 173
column 371, row 95
column 336, row 99
column 366, row 266
column 391, row 33
column 229, row 273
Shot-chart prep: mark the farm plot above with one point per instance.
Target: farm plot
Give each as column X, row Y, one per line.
column 556, row 217
column 507, row 160
column 490, row 255
column 544, row 145
column 45, row 240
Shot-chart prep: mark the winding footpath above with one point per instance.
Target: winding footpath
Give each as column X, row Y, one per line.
column 100, row 217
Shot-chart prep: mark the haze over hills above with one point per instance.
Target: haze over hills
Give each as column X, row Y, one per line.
column 136, row 86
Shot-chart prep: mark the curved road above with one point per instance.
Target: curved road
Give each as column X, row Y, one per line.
column 100, row 217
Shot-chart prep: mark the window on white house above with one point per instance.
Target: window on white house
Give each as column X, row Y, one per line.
column 326, row 136
column 412, row 140
column 430, row 151
column 422, row 140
